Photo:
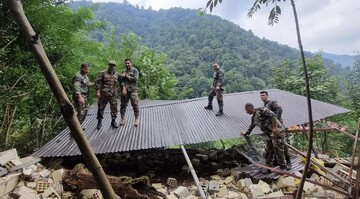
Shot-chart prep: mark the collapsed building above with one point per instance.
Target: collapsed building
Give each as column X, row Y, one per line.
column 148, row 150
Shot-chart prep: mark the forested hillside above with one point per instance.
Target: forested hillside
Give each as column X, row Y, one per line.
column 193, row 42
column 173, row 49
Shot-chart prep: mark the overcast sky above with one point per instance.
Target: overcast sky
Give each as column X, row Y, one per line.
column 328, row 25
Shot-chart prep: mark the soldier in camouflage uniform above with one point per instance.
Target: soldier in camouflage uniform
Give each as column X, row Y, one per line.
column 277, row 109
column 129, row 91
column 106, row 89
column 272, row 128
column 81, row 84
column 217, row 89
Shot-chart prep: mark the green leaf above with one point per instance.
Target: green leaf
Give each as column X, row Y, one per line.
column 216, row 1
column 208, row 3
column 211, row 6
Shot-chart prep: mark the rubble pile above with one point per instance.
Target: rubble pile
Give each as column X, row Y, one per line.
column 155, row 174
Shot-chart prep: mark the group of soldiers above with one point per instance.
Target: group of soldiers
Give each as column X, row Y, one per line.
column 268, row 118
column 106, row 86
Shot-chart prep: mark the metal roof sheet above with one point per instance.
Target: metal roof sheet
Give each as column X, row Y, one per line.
column 182, row 122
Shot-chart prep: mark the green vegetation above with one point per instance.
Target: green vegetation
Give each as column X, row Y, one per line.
column 173, row 50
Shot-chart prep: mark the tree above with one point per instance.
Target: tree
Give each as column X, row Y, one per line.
column 273, row 18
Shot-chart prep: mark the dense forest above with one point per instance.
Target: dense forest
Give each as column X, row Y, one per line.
column 173, row 49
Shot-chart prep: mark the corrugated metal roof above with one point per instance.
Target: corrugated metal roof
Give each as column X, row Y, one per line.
column 182, row 122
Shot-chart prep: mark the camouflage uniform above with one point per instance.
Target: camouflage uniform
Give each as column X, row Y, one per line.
column 106, row 84
column 277, row 109
column 131, row 87
column 80, row 87
column 275, row 145
column 218, row 80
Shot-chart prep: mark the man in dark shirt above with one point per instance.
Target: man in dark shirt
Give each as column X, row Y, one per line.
column 217, row 89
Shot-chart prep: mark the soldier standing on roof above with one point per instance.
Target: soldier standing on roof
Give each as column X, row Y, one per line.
column 277, row 109
column 81, row 84
column 217, row 89
column 105, row 86
column 272, row 128
column 129, row 91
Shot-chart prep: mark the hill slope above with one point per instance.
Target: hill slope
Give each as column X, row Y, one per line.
column 193, row 42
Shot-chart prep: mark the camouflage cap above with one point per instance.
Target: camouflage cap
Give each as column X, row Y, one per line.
column 112, row 62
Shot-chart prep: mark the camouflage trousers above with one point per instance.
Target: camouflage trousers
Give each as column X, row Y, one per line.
column 219, row 96
column 103, row 101
column 275, row 148
column 81, row 109
column 131, row 96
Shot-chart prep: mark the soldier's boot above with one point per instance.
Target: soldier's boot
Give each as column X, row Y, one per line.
column 99, row 125
column 283, row 167
column 137, row 122
column 288, row 166
column 208, row 107
column 220, row 112
column 114, row 124
column 122, row 121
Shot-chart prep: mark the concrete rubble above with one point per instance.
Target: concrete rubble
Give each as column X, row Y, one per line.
column 26, row 178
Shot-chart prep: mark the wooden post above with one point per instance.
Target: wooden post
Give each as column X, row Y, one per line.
column 66, row 107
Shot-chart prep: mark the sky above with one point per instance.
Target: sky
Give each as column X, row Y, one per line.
column 330, row 26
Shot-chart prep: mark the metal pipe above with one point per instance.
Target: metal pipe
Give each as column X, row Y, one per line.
column 192, row 170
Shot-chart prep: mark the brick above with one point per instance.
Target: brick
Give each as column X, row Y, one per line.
column 185, row 169
column 157, row 185
column 255, row 191
column 215, row 177
column 222, row 192
column 8, row 155
column 277, row 194
column 171, row 182
column 182, row 192
column 233, row 195
column 284, row 182
column 91, row 194
column 45, row 173
column 50, row 193
column 264, row 187
column 68, row 195
column 24, row 162
column 24, row 191
column 229, row 180
column 8, row 183
column 41, row 186
column 214, row 186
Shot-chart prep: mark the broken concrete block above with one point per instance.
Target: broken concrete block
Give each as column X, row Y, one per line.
column 233, row 195
column 202, row 157
column 195, row 162
column 44, row 173
column 222, row 192
column 50, row 193
column 214, row 187
column 171, row 182
column 8, row 155
column 215, row 177
column 157, row 185
column 223, row 172
column 243, row 196
column 182, row 192
column 265, row 187
column 91, row 193
column 3, row 171
column 8, row 183
column 31, row 185
column 58, row 187
column 214, row 165
column 171, row 196
column 41, row 186
column 255, row 191
column 277, row 194
column 12, row 163
column 229, row 180
column 284, row 182
column 68, row 195
column 57, row 175
column 24, row 191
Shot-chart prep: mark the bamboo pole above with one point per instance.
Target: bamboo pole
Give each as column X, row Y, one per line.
column 66, row 107
column 353, row 152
